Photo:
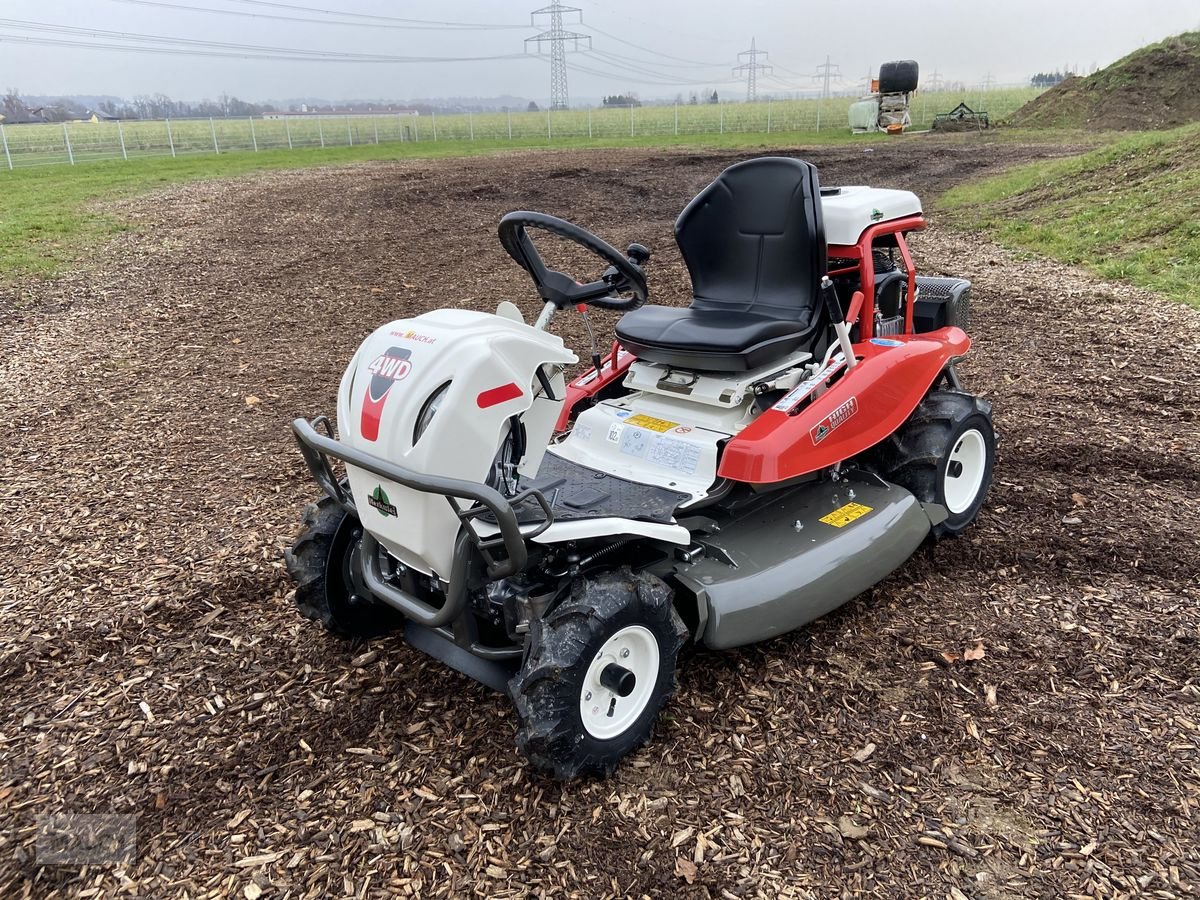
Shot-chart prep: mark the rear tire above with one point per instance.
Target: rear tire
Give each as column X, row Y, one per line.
column 323, row 562
column 945, row 454
column 600, row 667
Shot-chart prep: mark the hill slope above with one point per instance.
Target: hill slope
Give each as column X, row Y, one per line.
column 1127, row 211
column 1152, row 88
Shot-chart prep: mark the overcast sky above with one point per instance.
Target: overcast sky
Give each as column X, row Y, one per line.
column 964, row 40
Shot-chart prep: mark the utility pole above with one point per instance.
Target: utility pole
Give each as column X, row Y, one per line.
column 936, row 82
column 827, row 72
column 557, row 38
column 751, row 68
column 988, row 81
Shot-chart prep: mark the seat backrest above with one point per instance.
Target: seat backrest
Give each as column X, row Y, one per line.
column 753, row 240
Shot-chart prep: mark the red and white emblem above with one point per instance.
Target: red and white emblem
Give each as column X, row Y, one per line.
column 385, row 371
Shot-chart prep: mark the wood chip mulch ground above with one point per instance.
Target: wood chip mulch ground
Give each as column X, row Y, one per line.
column 1012, row 714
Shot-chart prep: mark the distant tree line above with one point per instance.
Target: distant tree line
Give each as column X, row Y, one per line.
column 14, row 109
column 160, row 106
column 1049, row 79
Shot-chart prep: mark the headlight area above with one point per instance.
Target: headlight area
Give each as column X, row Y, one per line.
column 428, row 411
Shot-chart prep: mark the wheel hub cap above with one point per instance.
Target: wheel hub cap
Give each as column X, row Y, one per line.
column 964, row 471
column 619, row 683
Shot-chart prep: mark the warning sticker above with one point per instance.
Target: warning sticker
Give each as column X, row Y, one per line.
column 844, row 515
column 791, row 400
column 650, row 422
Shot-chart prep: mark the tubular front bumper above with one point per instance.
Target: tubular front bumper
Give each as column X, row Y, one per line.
column 484, row 501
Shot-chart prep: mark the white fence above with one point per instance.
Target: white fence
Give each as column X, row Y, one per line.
column 76, row 142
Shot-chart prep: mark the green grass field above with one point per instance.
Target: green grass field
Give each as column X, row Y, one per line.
column 48, row 215
column 78, row 142
column 1129, row 211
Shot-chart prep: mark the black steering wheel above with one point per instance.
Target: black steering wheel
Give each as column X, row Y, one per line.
column 623, row 275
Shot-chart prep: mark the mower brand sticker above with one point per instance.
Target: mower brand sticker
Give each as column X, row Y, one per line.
column 796, row 395
column 844, row 515
column 415, row 336
column 833, row 421
column 385, row 371
column 650, row 422
column 379, row 500
column 886, row 342
column 876, row 215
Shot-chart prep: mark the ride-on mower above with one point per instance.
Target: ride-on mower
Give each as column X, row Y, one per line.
column 730, row 471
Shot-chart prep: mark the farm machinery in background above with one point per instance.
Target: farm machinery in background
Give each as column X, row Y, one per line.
column 961, row 118
column 886, row 107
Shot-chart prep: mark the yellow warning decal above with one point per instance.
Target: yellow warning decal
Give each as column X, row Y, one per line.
column 650, row 422
column 844, row 515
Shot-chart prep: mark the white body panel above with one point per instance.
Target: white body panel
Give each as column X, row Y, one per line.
column 852, row 211
column 405, row 363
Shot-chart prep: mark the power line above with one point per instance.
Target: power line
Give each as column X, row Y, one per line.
column 658, row 79
column 368, row 16
column 664, row 65
column 751, row 69
column 621, row 40
column 280, row 17
column 71, row 36
column 557, row 38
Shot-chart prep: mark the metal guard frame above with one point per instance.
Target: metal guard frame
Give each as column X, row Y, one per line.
column 317, row 448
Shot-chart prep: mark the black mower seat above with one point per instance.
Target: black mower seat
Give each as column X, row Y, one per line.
column 754, row 245
column 712, row 340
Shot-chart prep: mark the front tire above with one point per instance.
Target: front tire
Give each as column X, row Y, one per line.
column 600, row 667
column 945, row 454
column 323, row 562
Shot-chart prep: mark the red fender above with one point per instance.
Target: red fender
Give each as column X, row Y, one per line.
column 869, row 403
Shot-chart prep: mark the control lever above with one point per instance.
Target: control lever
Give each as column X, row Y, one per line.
column 587, row 323
column 834, row 307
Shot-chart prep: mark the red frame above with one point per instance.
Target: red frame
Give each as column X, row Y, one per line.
column 860, row 409
column 587, row 385
column 861, row 251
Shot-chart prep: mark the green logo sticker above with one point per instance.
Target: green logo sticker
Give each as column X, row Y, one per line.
column 876, row 215
column 379, row 500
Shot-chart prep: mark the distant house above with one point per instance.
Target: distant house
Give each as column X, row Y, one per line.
column 23, row 117
column 95, row 116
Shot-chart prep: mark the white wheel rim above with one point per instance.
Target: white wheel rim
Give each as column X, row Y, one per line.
column 605, row 713
column 964, row 471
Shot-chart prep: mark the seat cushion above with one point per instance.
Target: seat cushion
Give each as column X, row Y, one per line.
column 713, row 340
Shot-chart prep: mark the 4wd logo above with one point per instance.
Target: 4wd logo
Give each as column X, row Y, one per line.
column 385, row 371
column 834, row 420
column 379, row 500
column 390, row 367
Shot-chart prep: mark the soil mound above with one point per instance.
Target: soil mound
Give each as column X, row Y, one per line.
column 1150, row 89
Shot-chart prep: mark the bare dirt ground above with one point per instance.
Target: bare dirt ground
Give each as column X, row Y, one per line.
column 151, row 663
